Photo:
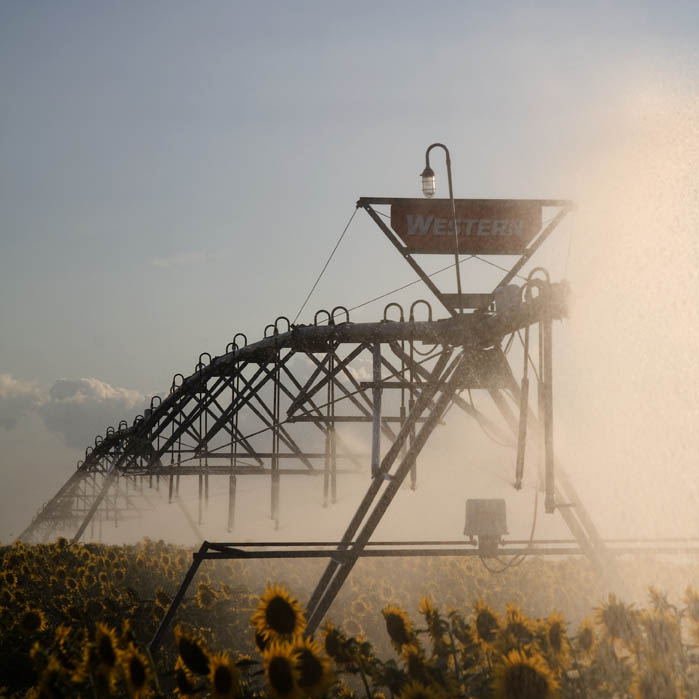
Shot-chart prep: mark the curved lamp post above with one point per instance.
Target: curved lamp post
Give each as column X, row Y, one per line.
column 429, row 187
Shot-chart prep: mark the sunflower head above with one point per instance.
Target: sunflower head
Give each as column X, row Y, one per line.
column 278, row 616
column 224, row 677
column 663, row 635
column 523, row 676
column 10, row 579
column 136, row 670
column 193, row 652
column 618, row 619
column 32, row 621
column 461, row 630
column 517, row 631
column 554, row 641
column 418, row 690
column 586, row 638
column 313, row 667
column 280, row 671
column 106, row 650
column 486, row 624
column 398, row 627
column 336, row 644
column 206, row 596
column 185, row 684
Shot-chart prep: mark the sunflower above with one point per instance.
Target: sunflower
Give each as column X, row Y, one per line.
column 358, row 608
column 655, row 681
column 280, row 671
column 52, row 680
column 106, row 649
column 32, row 621
column 10, row 578
column 417, row 690
column 586, row 638
column 94, row 608
column 185, row 685
column 278, row 615
column 460, row 629
column 436, row 626
column 313, row 667
column 517, row 630
column 659, row 600
column 136, row 670
column 162, row 599
column 415, row 664
column 556, row 641
column 261, row 641
column 618, row 619
column 425, row 607
column 518, row 676
column 398, row 626
column 485, row 625
column 193, row 652
column 662, row 634
column 206, row 595
column 224, row 677
column 336, row 644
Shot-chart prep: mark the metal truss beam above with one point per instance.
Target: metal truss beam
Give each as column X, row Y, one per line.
column 200, row 421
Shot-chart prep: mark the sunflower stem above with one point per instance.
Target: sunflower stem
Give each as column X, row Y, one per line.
column 360, row 665
column 577, row 666
column 457, row 669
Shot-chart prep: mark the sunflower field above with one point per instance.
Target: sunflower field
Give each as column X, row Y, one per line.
column 76, row 620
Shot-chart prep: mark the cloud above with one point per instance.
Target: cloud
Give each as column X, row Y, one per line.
column 80, row 409
column 181, row 259
column 16, row 399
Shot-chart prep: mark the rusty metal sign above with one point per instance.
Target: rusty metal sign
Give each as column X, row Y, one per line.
column 484, row 226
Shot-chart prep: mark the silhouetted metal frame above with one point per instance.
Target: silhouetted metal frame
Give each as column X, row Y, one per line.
column 172, row 426
column 401, row 549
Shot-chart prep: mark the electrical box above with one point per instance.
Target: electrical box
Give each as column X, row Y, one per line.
column 486, row 520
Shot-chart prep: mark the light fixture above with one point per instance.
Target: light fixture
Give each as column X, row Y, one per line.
column 429, row 186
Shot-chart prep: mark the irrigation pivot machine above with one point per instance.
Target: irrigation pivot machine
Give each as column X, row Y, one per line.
column 257, row 410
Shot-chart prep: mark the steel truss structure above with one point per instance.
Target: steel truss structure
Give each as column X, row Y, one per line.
column 295, row 402
column 257, row 408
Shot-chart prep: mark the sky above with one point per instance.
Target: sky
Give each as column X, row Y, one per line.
column 173, row 173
